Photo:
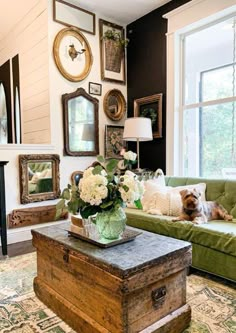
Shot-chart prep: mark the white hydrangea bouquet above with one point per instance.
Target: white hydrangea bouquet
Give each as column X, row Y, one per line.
column 102, row 189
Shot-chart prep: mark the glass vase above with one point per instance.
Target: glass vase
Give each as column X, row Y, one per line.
column 111, row 224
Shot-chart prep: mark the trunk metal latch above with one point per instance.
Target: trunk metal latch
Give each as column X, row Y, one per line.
column 158, row 297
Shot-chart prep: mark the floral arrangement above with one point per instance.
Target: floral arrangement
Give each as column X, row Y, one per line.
column 112, row 34
column 101, row 189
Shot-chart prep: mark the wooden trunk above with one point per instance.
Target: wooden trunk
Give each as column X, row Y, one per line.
column 109, row 290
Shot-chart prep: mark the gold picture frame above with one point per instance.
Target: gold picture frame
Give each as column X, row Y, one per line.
column 75, row 177
column 69, row 48
column 150, row 107
column 114, row 104
column 39, row 177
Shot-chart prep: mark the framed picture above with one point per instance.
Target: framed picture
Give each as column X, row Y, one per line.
column 39, row 177
column 114, row 142
column 112, row 53
column 72, row 54
column 71, row 15
column 80, row 137
column 114, row 104
column 95, row 88
column 150, row 107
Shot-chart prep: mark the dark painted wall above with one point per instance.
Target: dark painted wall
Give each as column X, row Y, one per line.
column 146, row 74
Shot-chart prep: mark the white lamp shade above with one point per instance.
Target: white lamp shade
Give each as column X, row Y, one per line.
column 138, row 128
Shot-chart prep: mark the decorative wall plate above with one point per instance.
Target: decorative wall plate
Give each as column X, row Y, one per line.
column 72, row 54
column 114, row 104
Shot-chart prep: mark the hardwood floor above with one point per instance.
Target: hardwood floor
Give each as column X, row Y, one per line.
column 17, row 249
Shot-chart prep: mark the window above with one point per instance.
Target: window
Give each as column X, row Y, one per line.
column 208, row 111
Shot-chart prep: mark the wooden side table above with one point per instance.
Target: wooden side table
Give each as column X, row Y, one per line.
column 138, row 286
column 3, row 226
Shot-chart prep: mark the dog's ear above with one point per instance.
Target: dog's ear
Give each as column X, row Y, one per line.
column 183, row 193
column 196, row 192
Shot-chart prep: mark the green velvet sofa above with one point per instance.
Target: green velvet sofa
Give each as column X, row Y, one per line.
column 214, row 243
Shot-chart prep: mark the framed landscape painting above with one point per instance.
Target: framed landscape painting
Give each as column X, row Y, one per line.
column 150, row 107
column 114, row 142
column 95, row 88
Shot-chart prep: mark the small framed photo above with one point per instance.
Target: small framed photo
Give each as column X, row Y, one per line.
column 95, row 88
column 150, row 107
column 114, row 142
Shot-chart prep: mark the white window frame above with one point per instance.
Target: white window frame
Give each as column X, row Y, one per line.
column 181, row 21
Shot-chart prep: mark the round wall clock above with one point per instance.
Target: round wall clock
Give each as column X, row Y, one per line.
column 114, row 104
column 72, row 54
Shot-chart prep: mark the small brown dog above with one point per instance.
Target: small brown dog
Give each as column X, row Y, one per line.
column 200, row 212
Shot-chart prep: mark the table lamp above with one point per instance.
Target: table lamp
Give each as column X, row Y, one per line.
column 138, row 129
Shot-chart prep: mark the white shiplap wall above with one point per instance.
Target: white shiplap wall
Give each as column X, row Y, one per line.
column 29, row 39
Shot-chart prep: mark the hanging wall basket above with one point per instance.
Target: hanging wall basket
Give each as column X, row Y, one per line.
column 113, row 56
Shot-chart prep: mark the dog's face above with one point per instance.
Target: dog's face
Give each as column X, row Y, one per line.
column 190, row 199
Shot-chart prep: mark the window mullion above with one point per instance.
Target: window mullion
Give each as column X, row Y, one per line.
column 209, row 103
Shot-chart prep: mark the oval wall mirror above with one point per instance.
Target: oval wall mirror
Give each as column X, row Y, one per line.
column 72, row 54
column 80, row 120
column 114, row 104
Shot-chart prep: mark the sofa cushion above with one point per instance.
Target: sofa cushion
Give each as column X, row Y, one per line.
column 214, row 261
column 217, row 235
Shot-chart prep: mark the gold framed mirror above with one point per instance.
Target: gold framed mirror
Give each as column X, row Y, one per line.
column 114, row 104
column 39, row 177
column 80, row 120
column 72, row 54
column 75, row 177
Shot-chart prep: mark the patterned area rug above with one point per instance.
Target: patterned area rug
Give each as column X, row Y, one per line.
column 213, row 304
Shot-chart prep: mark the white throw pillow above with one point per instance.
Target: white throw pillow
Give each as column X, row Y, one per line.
column 159, row 177
column 151, row 187
column 201, row 188
column 167, row 200
column 158, row 203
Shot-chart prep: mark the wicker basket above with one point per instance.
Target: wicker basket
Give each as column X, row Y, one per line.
column 113, row 56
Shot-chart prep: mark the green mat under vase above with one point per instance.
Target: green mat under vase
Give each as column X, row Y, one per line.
column 213, row 303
